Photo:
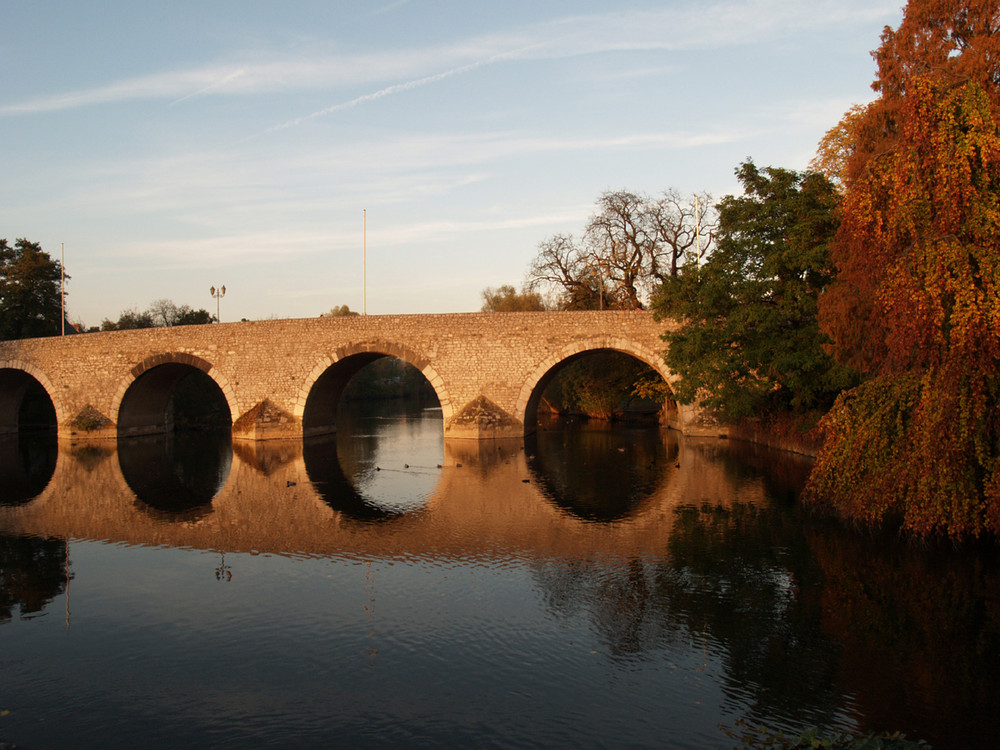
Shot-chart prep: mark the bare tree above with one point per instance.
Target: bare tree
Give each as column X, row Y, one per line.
column 620, row 244
column 562, row 265
column 163, row 312
column 630, row 246
column 685, row 228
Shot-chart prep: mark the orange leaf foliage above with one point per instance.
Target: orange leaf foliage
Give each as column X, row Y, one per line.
column 916, row 303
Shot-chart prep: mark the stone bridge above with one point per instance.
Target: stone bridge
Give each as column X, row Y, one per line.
column 284, row 378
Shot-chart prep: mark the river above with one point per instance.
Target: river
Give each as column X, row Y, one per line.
column 592, row 587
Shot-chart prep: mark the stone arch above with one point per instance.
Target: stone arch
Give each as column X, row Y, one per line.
column 531, row 390
column 32, row 371
column 363, row 353
column 172, row 358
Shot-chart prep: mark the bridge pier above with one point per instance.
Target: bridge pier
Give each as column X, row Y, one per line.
column 481, row 419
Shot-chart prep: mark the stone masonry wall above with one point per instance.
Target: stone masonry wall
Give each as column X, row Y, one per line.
column 483, row 364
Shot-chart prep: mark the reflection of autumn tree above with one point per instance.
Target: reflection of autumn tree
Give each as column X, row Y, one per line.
column 896, row 635
column 782, row 473
column 726, row 581
column 920, row 631
column 620, row 599
column 731, row 576
column 32, row 573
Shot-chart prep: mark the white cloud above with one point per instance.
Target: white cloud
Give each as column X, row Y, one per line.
column 209, row 190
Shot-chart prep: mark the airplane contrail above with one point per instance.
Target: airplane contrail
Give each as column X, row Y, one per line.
column 397, row 88
column 210, row 87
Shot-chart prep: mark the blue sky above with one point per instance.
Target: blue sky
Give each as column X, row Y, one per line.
column 179, row 145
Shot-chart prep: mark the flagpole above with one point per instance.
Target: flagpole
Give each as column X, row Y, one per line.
column 364, row 261
column 62, row 287
column 697, row 229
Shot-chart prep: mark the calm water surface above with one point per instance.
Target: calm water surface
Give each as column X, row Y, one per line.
column 591, row 588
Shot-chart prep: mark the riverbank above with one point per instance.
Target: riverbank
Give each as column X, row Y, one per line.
column 794, row 433
column 787, row 432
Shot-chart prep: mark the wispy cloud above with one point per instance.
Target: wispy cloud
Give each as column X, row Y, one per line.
column 408, row 235
column 265, row 247
column 251, row 181
column 714, row 26
column 256, row 78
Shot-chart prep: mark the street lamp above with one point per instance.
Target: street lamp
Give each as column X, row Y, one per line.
column 218, row 294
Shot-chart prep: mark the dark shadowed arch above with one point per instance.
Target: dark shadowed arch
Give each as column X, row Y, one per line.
column 322, row 390
column 534, row 387
column 145, row 406
column 25, row 403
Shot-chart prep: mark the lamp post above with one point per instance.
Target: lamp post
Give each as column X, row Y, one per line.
column 218, row 294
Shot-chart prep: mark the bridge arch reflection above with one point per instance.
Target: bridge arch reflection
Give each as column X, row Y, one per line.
column 28, row 424
column 485, row 499
column 384, row 463
column 327, row 476
column 176, row 479
column 27, row 463
column 600, row 475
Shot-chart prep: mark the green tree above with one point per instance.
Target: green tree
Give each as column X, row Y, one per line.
column 186, row 316
column 388, row 377
column 749, row 342
column 30, row 303
column 128, row 320
column 507, row 299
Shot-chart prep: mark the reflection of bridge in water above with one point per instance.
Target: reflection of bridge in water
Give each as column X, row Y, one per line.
column 486, row 500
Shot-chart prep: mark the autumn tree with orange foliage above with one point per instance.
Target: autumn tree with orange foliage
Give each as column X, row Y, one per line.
column 916, row 304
